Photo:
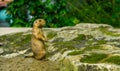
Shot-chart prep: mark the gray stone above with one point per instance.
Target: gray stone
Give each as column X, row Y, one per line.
column 1, row 50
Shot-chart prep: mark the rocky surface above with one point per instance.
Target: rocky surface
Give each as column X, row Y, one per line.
column 84, row 47
column 7, row 30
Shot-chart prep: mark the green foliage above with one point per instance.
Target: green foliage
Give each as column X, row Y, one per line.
column 54, row 12
column 59, row 13
column 97, row 11
column 93, row 58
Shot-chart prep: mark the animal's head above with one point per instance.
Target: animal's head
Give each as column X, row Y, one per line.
column 39, row 23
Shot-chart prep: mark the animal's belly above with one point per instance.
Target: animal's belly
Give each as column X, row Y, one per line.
column 38, row 46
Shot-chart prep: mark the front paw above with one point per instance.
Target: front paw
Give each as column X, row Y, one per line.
column 46, row 40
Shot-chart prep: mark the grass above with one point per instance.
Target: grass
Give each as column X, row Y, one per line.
column 51, row 34
column 75, row 53
column 97, row 42
column 114, row 60
column 93, row 58
column 101, row 42
column 89, row 48
column 15, row 42
column 80, row 37
column 105, row 31
column 69, row 44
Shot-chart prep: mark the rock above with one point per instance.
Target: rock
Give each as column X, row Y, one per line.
column 84, row 47
column 1, row 44
column 13, row 54
column 92, row 25
column 1, row 50
column 72, row 63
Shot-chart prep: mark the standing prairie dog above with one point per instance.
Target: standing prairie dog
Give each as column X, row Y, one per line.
column 38, row 39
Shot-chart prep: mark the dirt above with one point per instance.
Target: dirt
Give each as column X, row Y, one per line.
column 27, row 64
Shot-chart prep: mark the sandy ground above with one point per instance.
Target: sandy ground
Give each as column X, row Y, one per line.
column 7, row 30
column 27, row 64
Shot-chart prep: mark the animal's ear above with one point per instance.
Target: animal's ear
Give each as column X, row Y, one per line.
column 35, row 21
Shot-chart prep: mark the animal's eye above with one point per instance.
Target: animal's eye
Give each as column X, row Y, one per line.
column 39, row 20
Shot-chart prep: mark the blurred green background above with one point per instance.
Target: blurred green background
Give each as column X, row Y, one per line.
column 59, row 13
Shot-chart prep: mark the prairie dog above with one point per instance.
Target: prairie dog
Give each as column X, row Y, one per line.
column 38, row 39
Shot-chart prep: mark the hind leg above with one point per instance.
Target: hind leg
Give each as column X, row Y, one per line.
column 40, row 55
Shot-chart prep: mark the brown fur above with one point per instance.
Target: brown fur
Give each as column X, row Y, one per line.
column 38, row 39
